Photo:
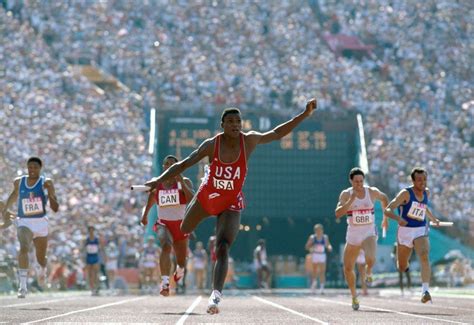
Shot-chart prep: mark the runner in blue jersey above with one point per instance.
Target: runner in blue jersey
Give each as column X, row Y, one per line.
column 412, row 204
column 32, row 222
column 92, row 247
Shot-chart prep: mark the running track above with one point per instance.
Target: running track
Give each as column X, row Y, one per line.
column 242, row 306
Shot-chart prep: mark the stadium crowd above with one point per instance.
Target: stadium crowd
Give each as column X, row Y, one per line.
column 202, row 56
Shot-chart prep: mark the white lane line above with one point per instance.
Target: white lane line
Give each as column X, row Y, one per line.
column 388, row 310
column 87, row 309
column 39, row 302
column 268, row 302
column 426, row 305
column 189, row 311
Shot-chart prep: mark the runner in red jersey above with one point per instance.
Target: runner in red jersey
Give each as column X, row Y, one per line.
column 220, row 193
column 170, row 197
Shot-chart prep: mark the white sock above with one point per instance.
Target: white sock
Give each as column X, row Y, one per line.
column 23, row 273
column 217, row 293
column 165, row 279
column 321, row 286
column 425, row 286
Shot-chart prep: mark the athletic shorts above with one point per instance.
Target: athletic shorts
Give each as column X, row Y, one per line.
column 112, row 265
column 174, row 228
column 318, row 258
column 360, row 258
column 357, row 234
column 38, row 226
column 406, row 235
column 215, row 205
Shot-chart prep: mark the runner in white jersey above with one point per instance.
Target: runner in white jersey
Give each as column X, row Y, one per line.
column 357, row 202
column 262, row 268
column 32, row 221
column 317, row 244
column 171, row 197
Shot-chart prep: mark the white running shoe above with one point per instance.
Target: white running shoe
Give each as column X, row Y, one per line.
column 21, row 293
column 213, row 303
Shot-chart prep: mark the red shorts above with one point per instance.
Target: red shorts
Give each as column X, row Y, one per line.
column 174, row 228
column 215, row 205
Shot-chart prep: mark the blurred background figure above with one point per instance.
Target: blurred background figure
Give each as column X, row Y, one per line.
column 92, row 248
column 400, row 274
column 262, row 267
column 317, row 244
column 200, row 265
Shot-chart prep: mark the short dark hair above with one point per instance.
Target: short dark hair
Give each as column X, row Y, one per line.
column 356, row 171
column 417, row 170
column 36, row 160
column 89, row 228
column 171, row 157
column 230, row 110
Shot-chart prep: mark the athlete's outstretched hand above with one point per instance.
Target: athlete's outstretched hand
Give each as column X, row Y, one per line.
column 311, row 106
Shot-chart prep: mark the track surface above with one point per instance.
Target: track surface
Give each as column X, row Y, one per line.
column 243, row 306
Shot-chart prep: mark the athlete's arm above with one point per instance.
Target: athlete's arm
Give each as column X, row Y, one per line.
column 53, row 200
column 308, row 245
column 283, row 129
column 342, row 208
column 402, row 198
column 187, row 186
column 204, row 150
column 328, row 244
column 11, row 198
column 429, row 213
column 151, row 200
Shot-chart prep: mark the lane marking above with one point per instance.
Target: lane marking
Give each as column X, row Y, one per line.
column 87, row 309
column 189, row 311
column 40, row 302
column 388, row 310
column 268, row 302
column 418, row 304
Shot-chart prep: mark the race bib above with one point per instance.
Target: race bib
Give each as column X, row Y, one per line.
column 223, row 184
column 362, row 217
column 168, row 198
column 32, row 206
column 149, row 257
column 417, row 211
column 318, row 248
column 92, row 249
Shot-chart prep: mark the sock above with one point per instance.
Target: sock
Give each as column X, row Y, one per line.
column 321, row 287
column 165, row 279
column 425, row 286
column 217, row 293
column 23, row 277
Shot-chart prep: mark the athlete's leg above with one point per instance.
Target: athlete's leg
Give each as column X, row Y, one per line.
column 195, row 213
column 422, row 249
column 41, row 245
column 361, row 270
column 403, row 256
column 369, row 245
column 227, row 228
column 164, row 236
column 25, row 237
column 350, row 256
column 181, row 251
column 314, row 275
column 321, row 274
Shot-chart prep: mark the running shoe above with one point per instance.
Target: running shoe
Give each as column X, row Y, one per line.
column 178, row 274
column 426, row 297
column 165, row 289
column 21, row 293
column 355, row 303
column 213, row 303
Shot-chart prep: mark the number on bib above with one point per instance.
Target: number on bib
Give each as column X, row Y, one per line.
column 362, row 217
column 32, row 206
column 417, row 211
